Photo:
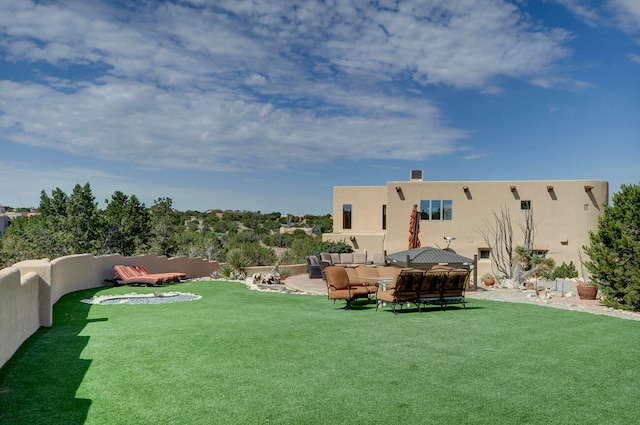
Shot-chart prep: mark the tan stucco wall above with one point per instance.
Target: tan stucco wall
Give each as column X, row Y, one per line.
column 563, row 216
column 19, row 316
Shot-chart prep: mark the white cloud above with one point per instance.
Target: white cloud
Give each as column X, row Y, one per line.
column 561, row 83
column 628, row 14
column 624, row 14
column 171, row 85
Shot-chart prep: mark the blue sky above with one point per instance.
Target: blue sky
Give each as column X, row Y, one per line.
column 262, row 105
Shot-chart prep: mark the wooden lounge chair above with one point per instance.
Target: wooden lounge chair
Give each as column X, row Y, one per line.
column 339, row 287
column 139, row 275
column 170, row 275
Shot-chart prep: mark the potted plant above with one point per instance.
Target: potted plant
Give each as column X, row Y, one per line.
column 488, row 279
column 586, row 290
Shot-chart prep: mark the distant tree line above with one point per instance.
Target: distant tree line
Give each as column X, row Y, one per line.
column 73, row 224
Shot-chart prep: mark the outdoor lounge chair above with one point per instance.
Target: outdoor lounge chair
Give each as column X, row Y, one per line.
column 139, row 275
column 339, row 287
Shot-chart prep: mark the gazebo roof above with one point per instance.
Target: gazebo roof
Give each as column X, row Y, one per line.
column 427, row 257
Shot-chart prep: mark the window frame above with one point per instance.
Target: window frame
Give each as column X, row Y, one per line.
column 347, row 216
column 436, row 209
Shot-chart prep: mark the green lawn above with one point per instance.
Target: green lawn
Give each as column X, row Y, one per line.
column 244, row 357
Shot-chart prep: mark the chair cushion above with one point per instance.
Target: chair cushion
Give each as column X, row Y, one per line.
column 387, row 271
column 337, row 278
column 359, row 258
column 346, row 258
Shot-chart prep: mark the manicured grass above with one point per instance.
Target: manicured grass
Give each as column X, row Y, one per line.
column 244, row 357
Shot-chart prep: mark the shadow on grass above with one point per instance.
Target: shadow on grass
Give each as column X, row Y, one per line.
column 428, row 309
column 39, row 383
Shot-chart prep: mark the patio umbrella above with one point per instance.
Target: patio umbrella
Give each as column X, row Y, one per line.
column 414, row 229
column 421, row 258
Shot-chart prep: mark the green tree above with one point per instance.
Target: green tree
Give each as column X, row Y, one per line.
column 126, row 225
column 565, row 271
column 301, row 248
column 165, row 225
column 320, row 223
column 82, row 224
column 614, row 250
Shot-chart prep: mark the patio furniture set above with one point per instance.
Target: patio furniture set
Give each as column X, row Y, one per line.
column 398, row 287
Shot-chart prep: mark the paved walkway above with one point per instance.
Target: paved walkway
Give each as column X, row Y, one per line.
column 302, row 283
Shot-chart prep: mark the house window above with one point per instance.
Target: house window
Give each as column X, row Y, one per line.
column 525, row 205
column 484, row 253
column 425, row 210
column 346, row 216
column 384, row 217
column 447, row 210
column 436, row 209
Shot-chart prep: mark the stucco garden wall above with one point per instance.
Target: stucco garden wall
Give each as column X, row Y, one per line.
column 29, row 289
column 19, row 316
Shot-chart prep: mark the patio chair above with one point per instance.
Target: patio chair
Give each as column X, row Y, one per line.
column 402, row 290
column 339, row 287
column 432, row 285
column 454, row 287
column 316, row 267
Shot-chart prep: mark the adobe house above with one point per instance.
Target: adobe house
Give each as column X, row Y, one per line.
column 376, row 219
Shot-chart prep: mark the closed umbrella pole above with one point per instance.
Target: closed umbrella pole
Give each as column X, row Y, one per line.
column 414, row 229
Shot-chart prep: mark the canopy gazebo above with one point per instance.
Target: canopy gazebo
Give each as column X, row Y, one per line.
column 427, row 257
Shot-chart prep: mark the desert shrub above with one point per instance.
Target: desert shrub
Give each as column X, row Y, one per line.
column 280, row 240
column 565, row 271
column 258, row 255
column 334, row 247
column 246, row 236
column 236, row 264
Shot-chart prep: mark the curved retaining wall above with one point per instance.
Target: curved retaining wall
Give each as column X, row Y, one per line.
column 29, row 289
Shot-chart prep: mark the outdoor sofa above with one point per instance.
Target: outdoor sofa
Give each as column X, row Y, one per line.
column 350, row 259
column 370, row 277
column 440, row 286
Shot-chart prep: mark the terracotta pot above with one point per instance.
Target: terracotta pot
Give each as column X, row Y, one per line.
column 587, row 292
column 489, row 282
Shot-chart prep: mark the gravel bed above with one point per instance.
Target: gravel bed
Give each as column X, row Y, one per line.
column 133, row 298
column 551, row 299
